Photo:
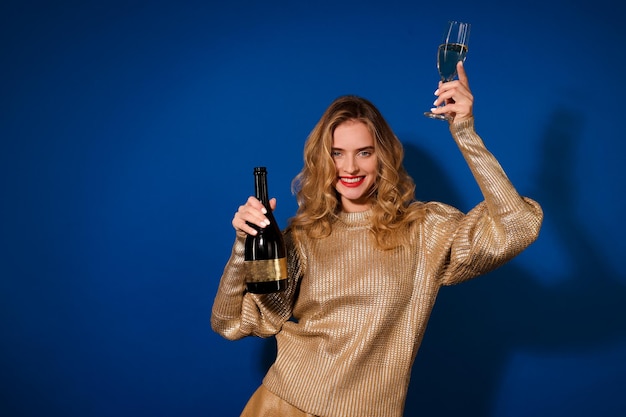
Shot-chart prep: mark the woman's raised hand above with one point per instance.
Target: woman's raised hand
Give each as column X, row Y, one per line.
column 457, row 96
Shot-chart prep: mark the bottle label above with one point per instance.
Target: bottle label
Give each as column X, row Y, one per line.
column 266, row 270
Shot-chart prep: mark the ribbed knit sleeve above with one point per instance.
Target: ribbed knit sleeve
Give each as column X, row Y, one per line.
column 498, row 228
column 237, row 313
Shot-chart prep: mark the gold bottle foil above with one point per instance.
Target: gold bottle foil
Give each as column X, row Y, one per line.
column 266, row 270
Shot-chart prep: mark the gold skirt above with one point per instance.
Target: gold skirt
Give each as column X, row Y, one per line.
column 265, row 403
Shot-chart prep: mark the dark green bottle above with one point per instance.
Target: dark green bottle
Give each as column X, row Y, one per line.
column 265, row 253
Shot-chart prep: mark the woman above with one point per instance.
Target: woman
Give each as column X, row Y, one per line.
column 366, row 262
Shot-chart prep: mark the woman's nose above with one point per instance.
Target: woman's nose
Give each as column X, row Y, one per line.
column 351, row 167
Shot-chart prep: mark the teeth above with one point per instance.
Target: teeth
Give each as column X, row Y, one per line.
column 352, row 180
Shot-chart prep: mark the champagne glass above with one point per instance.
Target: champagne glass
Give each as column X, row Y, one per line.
column 452, row 50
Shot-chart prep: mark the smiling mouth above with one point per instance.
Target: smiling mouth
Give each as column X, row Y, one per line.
column 351, row 181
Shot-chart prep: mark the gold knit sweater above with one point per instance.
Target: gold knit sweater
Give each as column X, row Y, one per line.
column 351, row 321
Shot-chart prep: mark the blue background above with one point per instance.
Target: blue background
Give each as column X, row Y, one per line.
column 128, row 135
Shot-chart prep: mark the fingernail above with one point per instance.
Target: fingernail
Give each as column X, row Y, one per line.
column 433, row 109
column 435, row 103
column 437, row 92
column 263, row 210
column 267, row 222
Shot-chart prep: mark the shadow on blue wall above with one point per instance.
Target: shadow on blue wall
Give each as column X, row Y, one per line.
column 476, row 326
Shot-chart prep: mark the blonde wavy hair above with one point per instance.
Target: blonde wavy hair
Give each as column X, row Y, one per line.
column 391, row 197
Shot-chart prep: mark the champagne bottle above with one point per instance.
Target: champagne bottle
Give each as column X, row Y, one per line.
column 265, row 253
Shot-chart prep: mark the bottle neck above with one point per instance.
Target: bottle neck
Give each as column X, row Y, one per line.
column 260, row 187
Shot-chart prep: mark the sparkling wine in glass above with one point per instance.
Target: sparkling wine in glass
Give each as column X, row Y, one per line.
column 453, row 49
